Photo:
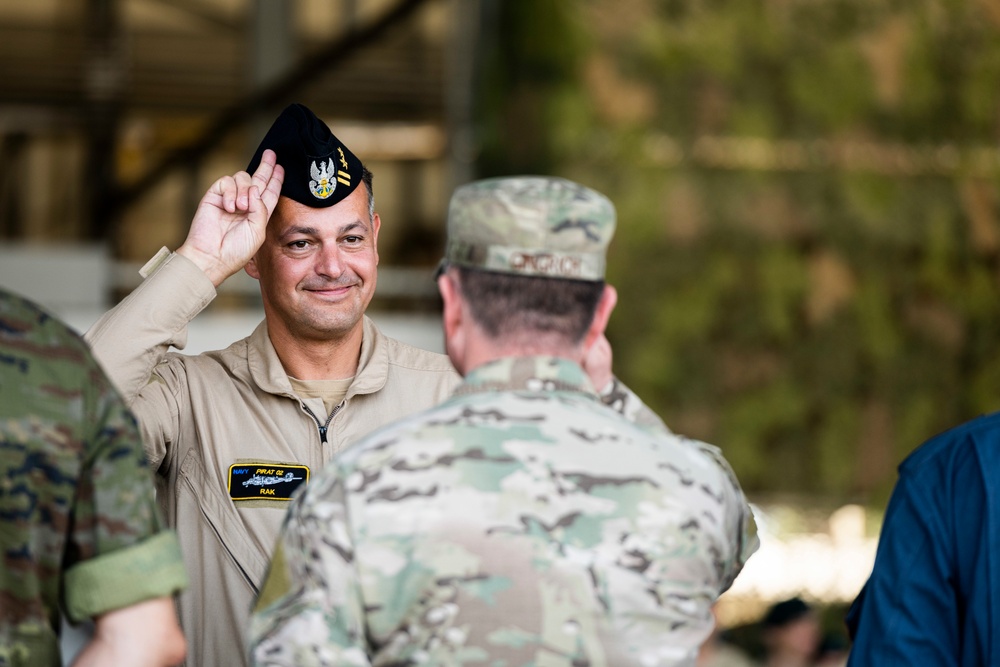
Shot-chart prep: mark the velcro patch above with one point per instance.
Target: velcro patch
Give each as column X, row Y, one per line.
column 265, row 481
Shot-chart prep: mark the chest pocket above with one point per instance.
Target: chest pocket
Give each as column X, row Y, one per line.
column 220, row 516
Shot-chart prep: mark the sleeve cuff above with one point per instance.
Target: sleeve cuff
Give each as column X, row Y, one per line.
column 152, row 568
column 181, row 268
column 154, row 262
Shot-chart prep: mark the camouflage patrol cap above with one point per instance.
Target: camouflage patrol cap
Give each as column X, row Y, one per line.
column 320, row 171
column 530, row 225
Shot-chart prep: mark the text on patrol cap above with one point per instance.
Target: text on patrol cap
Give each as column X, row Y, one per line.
column 530, row 225
column 320, row 171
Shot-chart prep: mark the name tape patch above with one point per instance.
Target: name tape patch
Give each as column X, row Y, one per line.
column 265, row 481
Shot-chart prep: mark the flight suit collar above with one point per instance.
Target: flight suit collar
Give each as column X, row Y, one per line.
column 270, row 375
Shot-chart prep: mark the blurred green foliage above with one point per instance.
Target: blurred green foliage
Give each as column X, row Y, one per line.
column 821, row 294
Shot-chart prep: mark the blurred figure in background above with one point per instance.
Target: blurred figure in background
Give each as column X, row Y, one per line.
column 717, row 652
column 833, row 651
column 80, row 535
column 790, row 633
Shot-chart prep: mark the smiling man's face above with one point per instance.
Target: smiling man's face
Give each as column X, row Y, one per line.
column 317, row 268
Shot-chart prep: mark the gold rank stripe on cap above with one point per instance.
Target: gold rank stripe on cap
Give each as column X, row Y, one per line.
column 344, row 177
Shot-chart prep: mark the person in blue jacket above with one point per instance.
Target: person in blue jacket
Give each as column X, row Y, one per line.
column 933, row 597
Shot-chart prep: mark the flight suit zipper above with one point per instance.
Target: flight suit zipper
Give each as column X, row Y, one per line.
column 320, row 425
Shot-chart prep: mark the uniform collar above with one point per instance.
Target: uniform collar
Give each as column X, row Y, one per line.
column 270, row 375
column 529, row 373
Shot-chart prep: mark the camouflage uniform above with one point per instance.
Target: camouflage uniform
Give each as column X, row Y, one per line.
column 79, row 531
column 521, row 522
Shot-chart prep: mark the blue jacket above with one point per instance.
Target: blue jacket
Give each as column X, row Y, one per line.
column 932, row 595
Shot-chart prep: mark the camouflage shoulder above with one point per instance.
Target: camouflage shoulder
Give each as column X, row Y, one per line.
column 617, row 396
column 749, row 540
column 27, row 329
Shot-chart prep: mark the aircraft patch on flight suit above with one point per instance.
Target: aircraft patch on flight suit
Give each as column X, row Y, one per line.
column 265, row 480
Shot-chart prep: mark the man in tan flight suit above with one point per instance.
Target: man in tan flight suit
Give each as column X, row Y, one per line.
column 233, row 433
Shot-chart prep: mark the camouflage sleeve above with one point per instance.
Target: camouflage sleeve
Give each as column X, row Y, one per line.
column 118, row 552
column 742, row 526
column 623, row 400
column 617, row 396
column 310, row 611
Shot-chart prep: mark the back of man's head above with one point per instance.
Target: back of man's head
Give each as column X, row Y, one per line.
column 529, row 254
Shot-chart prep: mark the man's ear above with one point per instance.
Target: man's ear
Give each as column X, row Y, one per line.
column 376, row 225
column 251, row 268
column 452, row 319
column 609, row 298
column 452, row 311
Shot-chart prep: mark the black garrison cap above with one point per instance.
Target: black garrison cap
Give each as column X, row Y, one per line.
column 320, row 171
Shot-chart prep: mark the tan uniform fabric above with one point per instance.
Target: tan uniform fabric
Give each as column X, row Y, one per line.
column 202, row 414
column 330, row 392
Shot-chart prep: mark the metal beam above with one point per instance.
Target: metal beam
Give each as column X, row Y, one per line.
column 238, row 113
column 104, row 77
column 199, row 10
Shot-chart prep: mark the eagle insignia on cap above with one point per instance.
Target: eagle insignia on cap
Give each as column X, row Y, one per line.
column 323, row 183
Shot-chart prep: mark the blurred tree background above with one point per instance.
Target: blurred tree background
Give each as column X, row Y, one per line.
column 807, row 252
